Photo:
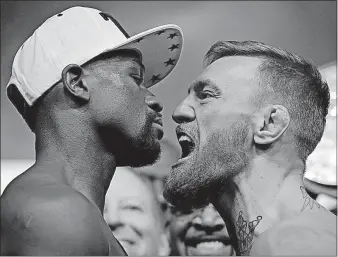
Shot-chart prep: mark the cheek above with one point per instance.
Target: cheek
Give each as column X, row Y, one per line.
column 133, row 107
column 211, row 120
column 221, row 118
column 143, row 222
column 178, row 231
column 178, row 228
column 122, row 106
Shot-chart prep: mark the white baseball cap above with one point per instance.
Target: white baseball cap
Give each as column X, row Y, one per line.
column 79, row 34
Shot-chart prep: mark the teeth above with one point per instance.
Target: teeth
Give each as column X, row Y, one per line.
column 213, row 244
column 184, row 138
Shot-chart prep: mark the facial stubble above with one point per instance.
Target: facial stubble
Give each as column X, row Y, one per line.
column 200, row 179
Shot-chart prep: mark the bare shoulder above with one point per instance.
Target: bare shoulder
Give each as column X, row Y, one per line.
column 308, row 234
column 49, row 218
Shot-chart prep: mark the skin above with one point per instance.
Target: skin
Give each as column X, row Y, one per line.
column 133, row 215
column 86, row 125
column 243, row 161
column 188, row 228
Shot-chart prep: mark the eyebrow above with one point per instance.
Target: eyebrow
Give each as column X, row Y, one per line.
column 133, row 199
column 203, row 83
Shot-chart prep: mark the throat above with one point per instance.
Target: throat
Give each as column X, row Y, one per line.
column 88, row 174
column 245, row 222
column 249, row 208
column 93, row 180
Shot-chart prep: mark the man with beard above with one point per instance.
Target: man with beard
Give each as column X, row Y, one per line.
column 81, row 84
column 246, row 128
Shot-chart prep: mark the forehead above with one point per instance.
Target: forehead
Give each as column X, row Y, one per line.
column 233, row 73
column 128, row 61
column 119, row 59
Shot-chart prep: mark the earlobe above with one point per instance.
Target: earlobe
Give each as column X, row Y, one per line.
column 270, row 123
column 74, row 83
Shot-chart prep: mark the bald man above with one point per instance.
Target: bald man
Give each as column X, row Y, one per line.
column 134, row 215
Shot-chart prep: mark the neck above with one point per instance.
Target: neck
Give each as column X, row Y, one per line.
column 72, row 154
column 257, row 199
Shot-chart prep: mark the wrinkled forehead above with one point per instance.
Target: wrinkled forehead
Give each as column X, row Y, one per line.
column 232, row 71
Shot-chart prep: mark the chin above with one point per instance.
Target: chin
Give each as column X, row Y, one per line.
column 140, row 160
column 140, row 151
column 140, row 157
column 194, row 180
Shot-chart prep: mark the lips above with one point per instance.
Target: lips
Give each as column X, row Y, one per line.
column 209, row 246
column 158, row 121
column 198, row 240
column 186, row 142
column 158, row 125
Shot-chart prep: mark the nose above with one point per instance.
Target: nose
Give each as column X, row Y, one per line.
column 153, row 103
column 113, row 220
column 183, row 113
column 208, row 220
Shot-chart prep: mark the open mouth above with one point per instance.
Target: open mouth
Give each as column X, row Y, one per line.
column 186, row 143
column 209, row 247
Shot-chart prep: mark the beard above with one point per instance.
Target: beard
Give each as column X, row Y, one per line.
column 201, row 178
column 144, row 149
column 141, row 150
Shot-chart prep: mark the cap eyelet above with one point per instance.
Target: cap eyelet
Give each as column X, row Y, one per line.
column 60, row 14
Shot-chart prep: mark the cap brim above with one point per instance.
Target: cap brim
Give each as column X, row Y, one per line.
column 160, row 47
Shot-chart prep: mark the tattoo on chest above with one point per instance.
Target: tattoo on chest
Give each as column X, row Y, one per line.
column 245, row 233
column 308, row 200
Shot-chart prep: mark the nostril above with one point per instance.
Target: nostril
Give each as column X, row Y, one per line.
column 178, row 118
column 155, row 105
column 218, row 227
column 112, row 227
column 198, row 226
column 158, row 107
column 183, row 113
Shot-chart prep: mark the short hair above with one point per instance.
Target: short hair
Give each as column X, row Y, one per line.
column 286, row 79
column 27, row 112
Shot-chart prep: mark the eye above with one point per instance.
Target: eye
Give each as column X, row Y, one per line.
column 180, row 211
column 133, row 207
column 205, row 94
column 138, row 79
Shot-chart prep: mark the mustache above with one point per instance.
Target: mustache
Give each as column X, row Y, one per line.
column 154, row 117
column 189, row 129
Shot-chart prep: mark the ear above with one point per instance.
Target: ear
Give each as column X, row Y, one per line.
column 74, row 83
column 270, row 123
column 164, row 249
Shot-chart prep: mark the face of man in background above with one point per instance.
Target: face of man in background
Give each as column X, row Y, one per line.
column 214, row 131
column 133, row 215
column 199, row 232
